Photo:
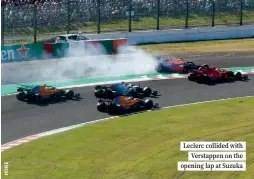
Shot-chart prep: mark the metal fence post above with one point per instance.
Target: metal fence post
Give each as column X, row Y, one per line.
column 98, row 16
column 35, row 23
column 2, row 25
column 130, row 16
column 241, row 12
column 187, row 14
column 68, row 16
column 174, row 8
column 213, row 12
column 158, row 15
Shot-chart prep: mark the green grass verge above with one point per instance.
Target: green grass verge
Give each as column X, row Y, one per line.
column 145, row 145
column 234, row 45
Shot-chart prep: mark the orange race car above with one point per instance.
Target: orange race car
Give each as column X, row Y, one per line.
column 125, row 104
column 43, row 93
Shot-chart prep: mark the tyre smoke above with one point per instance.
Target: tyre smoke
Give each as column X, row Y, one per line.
column 81, row 62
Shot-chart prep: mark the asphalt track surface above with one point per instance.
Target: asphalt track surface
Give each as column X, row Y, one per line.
column 20, row 119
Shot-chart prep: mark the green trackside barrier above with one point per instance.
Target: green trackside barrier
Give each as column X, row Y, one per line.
column 60, row 49
column 108, row 45
column 37, row 51
column 22, row 52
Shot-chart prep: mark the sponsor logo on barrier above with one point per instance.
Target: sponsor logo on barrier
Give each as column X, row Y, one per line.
column 23, row 51
column 8, row 55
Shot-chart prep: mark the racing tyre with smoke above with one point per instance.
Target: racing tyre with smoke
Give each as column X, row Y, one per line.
column 158, row 68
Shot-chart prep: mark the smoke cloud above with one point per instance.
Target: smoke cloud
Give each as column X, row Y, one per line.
column 80, row 63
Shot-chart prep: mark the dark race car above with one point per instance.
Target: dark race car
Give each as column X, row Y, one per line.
column 125, row 104
column 122, row 89
column 43, row 93
column 206, row 75
column 176, row 65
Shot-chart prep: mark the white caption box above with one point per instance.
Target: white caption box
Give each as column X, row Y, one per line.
column 213, row 146
column 217, row 156
column 211, row 166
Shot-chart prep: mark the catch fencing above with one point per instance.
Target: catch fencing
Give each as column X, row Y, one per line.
column 37, row 22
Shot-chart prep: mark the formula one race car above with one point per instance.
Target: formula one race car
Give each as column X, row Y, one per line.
column 44, row 93
column 122, row 89
column 206, row 75
column 125, row 104
column 176, row 65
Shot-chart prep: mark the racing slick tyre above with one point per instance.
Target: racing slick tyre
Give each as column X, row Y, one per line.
column 109, row 93
column 147, row 91
column 238, row 76
column 134, row 93
column 115, row 109
column 186, row 70
column 138, row 106
column 99, row 93
column 158, row 68
column 121, row 110
column 204, row 79
column 36, row 98
column 98, row 87
column 102, row 107
column 57, row 96
column 148, row 104
column 21, row 96
column 69, row 94
column 223, row 78
column 191, row 77
column 33, row 98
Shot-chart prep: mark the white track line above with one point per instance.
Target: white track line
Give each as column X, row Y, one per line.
column 12, row 144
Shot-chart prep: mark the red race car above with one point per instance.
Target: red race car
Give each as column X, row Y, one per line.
column 205, row 75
